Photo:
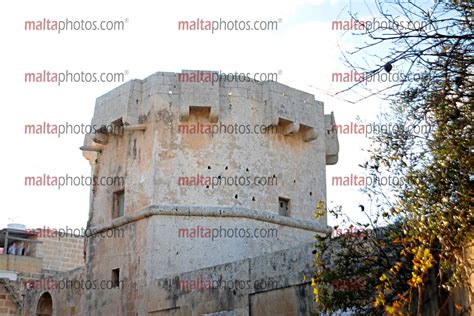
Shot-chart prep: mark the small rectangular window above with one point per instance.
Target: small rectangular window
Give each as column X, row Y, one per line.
column 116, row 278
column 118, row 204
column 284, row 206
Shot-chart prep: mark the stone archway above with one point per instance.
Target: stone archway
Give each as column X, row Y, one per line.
column 45, row 305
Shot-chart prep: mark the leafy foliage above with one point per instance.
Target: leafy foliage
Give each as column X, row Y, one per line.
column 429, row 219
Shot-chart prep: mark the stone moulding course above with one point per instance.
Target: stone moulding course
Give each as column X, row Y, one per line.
column 210, row 211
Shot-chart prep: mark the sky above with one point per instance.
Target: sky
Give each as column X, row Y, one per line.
column 304, row 51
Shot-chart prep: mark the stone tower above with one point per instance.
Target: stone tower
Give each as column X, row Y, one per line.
column 142, row 139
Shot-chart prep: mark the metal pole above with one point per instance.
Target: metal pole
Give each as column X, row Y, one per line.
column 5, row 243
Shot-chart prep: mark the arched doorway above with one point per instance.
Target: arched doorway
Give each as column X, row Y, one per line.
column 45, row 305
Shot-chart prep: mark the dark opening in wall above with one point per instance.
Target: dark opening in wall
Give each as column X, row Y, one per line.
column 118, row 207
column 283, row 126
column 283, row 206
column 202, row 111
column 116, row 278
column 116, row 127
column 45, row 304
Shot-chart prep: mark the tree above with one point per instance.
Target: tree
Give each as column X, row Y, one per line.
column 429, row 217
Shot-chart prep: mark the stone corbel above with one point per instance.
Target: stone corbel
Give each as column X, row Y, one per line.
column 291, row 128
column 310, row 135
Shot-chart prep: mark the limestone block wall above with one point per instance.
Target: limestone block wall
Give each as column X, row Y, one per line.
column 21, row 264
column 153, row 248
column 247, row 287
column 273, row 284
column 60, row 254
column 65, row 301
column 7, row 304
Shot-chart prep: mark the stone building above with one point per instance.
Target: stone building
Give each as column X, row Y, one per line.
column 221, row 181
column 46, row 257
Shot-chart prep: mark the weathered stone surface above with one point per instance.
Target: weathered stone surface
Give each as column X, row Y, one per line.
column 156, row 264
